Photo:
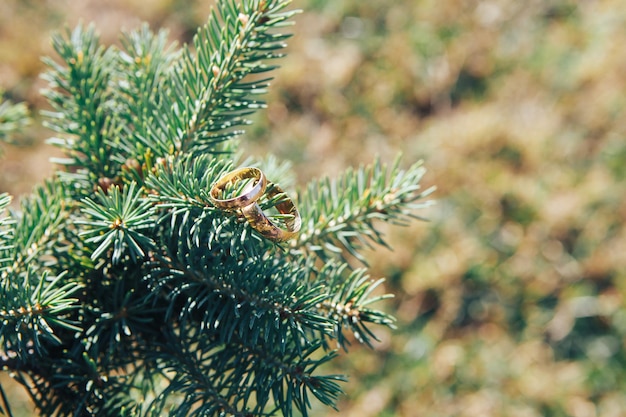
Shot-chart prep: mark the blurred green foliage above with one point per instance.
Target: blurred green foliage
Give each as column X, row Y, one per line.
column 511, row 301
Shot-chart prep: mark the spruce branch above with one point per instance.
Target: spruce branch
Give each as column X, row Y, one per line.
column 210, row 93
column 79, row 92
column 14, row 118
column 146, row 60
column 29, row 316
column 6, row 232
column 241, row 380
column 342, row 213
column 259, row 300
column 349, row 306
column 116, row 221
column 40, row 228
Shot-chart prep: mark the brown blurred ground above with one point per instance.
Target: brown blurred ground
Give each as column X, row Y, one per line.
column 511, row 300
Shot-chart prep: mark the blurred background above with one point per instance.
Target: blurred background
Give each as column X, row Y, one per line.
column 510, row 301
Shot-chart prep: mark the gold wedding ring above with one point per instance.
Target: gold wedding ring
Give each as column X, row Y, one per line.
column 266, row 227
column 246, row 202
column 249, row 195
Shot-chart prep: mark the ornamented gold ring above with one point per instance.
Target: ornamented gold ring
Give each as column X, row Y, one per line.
column 248, row 196
column 266, row 227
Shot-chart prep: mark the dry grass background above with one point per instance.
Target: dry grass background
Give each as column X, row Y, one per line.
column 511, row 301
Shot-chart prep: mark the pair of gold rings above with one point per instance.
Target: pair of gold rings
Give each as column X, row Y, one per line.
column 254, row 187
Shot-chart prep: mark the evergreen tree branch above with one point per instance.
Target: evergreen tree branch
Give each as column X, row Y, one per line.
column 40, row 227
column 146, row 61
column 349, row 306
column 239, row 379
column 29, row 315
column 6, row 233
column 210, row 92
column 117, row 221
column 261, row 301
column 342, row 213
column 81, row 96
column 13, row 119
